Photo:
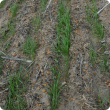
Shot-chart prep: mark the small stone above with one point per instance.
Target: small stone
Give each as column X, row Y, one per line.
column 63, row 83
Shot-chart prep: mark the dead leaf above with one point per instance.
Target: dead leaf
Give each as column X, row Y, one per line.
column 108, row 85
column 71, row 99
column 43, row 90
column 88, row 90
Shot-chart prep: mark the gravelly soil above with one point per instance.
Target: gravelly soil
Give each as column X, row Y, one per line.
column 84, row 79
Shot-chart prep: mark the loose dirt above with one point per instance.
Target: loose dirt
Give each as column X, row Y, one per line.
column 84, row 81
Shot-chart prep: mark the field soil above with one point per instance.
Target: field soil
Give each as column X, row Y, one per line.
column 85, row 82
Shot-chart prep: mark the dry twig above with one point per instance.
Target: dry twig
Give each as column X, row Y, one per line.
column 81, row 63
column 3, row 52
column 4, row 90
column 39, row 72
column 103, row 8
column 47, row 7
column 16, row 59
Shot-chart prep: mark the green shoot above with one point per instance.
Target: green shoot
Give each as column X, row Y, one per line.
column 30, row 47
column 14, row 10
column 15, row 101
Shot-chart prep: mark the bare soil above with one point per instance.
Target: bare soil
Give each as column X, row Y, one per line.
column 84, row 81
